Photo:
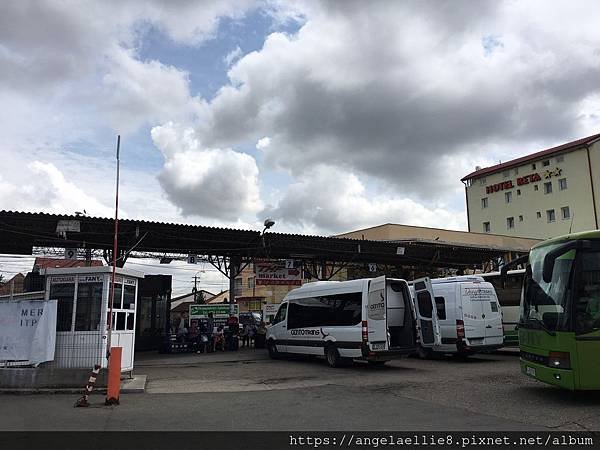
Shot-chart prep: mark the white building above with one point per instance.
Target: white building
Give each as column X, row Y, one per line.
column 541, row 195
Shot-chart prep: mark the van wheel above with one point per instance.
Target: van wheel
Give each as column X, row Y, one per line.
column 424, row 353
column 333, row 358
column 377, row 363
column 272, row 349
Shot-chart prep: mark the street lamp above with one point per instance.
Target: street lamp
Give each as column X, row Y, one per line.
column 268, row 224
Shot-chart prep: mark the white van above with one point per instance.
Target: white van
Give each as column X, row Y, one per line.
column 369, row 319
column 469, row 314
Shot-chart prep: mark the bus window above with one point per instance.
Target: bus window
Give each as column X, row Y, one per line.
column 587, row 302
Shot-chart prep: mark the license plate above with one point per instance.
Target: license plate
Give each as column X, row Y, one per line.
column 530, row 371
column 378, row 346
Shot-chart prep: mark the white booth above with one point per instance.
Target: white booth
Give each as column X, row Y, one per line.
column 82, row 315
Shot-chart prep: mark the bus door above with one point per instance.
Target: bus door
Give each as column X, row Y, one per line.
column 587, row 321
column 429, row 327
column 377, row 315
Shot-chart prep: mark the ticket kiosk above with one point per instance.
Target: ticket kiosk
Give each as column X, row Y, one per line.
column 83, row 296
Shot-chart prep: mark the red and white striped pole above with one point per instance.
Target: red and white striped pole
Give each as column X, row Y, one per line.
column 84, row 400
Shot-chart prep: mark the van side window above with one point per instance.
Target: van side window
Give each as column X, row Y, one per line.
column 425, row 307
column 329, row 310
column 440, row 305
column 280, row 314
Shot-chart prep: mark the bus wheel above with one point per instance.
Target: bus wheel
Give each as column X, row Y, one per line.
column 332, row 355
column 272, row 349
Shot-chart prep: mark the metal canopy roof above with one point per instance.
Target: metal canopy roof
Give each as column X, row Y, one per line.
column 20, row 232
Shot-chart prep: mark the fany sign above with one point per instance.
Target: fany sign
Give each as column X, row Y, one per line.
column 28, row 331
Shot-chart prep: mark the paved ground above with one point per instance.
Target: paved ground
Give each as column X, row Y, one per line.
column 248, row 391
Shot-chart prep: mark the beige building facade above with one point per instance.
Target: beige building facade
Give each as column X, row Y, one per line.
column 541, row 195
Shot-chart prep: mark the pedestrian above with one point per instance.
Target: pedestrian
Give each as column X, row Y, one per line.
column 233, row 329
column 210, row 329
column 251, row 333
column 261, row 335
column 244, row 335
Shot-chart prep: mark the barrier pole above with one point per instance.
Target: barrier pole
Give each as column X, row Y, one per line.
column 84, row 400
column 114, row 376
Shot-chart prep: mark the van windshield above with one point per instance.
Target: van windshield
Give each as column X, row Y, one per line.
column 546, row 305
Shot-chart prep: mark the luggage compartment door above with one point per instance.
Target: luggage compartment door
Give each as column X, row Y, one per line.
column 377, row 315
column 429, row 327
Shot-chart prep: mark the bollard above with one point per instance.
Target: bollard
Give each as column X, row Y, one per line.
column 83, row 401
column 114, row 376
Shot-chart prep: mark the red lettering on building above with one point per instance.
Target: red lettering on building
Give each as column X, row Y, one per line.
column 509, row 184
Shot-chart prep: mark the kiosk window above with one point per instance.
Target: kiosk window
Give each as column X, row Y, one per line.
column 118, row 295
column 120, row 321
column 64, row 293
column 440, row 305
column 130, row 321
column 89, row 305
column 129, row 297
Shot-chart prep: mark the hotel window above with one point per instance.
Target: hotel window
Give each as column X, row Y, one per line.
column 518, row 191
column 539, row 215
column 486, row 227
column 560, row 158
column 510, row 222
column 516, row 171
column 508, row 197
column 550, row 215
column 482, row 181
column 506, row 173
column 520, row 218
column 533, row 166
column 546, row 163
column 565, row 213
column 562, row 184
column 484, row 203
column 548, row 187
column 536, row 188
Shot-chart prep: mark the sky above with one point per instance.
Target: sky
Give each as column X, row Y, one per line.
column 324, row 116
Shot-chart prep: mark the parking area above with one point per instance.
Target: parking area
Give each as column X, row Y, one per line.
column 247, row 391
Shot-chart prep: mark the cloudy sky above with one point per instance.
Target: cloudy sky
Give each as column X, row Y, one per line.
column 326, row 116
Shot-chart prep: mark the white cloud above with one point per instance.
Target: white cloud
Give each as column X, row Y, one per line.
column 207, row 182
column 44, row 187
column 327, row 198
column 263, row 143
column 232, row 56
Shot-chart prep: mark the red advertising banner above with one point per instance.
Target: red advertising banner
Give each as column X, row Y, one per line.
column 276, row 273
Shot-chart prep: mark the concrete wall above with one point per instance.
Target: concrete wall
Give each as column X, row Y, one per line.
column 41, row 378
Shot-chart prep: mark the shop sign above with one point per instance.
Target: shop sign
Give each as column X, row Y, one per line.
column 276, row 273
column 219, row 311
column 62, row 279
column 90, row 278
column 532, row 178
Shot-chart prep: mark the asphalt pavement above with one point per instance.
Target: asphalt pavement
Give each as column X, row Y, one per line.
column 248, row 391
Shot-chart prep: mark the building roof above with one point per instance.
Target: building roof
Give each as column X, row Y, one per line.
column 58, row 263
column 393, row 232
column 569, row 146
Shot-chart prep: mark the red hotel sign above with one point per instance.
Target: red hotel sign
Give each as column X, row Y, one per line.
column 509, row 184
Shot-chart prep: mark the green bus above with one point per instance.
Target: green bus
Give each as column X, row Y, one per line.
column 559, row 323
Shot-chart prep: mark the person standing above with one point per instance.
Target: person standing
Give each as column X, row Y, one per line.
column 210, row 329
column 233, row 329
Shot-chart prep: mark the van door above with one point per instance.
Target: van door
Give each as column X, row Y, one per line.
column 429, row 327
column 376, row 315
column 473, row 298
column 278, row 328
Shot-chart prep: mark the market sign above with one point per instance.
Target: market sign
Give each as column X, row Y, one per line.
column 221, row 311
column 277, row 273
